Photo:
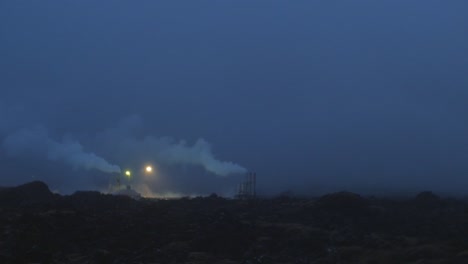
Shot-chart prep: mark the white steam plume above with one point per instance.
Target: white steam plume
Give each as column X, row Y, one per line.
column 200, row 153
column 36, row 141
column 164, row 150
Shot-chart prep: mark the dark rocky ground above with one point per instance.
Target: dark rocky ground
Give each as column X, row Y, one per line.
column 37, row 226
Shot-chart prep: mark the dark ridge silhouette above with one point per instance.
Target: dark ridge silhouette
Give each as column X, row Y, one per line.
column 27, row 194
column 93, row 200
column 427, row 197
column 342, row 200
column 343, row 227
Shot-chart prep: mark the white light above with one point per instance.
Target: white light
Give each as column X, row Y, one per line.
column 149, row 169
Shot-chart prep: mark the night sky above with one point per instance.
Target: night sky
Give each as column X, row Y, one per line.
column 315, row 96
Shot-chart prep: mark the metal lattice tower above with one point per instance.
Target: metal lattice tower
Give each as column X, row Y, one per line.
column 247, row 189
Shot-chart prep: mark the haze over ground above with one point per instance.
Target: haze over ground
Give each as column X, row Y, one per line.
column 314, row 96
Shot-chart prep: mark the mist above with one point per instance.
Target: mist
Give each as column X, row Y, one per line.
column 314, row 96
column 122, row 145
column 37, row 142
column 123, row 139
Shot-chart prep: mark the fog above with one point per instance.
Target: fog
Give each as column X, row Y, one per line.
column 314, row 96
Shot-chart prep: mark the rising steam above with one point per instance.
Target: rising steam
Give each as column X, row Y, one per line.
column 167, row 151
column 164, row 150
column 37, row 142
column 122, row 145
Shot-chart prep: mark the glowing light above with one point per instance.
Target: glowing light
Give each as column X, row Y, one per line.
column 149, row 169
column 128, row 173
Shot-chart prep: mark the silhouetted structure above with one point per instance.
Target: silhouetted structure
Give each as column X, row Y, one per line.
column 247, row 189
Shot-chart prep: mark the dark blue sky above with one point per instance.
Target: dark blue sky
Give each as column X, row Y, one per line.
column 313, row 95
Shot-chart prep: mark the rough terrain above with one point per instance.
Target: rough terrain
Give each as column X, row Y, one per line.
column 37, row 226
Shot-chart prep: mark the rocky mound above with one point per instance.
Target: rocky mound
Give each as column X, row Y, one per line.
column 427, row 197
column 27, row 194
column 342, row 201
column 91, row 227
column 96, row 201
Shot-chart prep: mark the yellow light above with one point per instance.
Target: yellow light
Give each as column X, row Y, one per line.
column 149, row 169
column 128, row 173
